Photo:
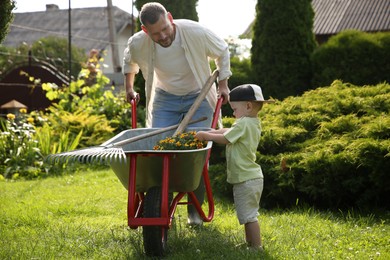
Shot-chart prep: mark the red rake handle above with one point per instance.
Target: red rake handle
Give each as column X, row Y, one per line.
column 133, row 103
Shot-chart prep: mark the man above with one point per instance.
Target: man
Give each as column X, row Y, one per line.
column 174, row 58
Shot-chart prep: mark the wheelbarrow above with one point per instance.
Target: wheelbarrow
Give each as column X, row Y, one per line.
column 152, row 177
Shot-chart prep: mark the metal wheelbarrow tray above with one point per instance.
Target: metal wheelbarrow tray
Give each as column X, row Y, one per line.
column 185, row 169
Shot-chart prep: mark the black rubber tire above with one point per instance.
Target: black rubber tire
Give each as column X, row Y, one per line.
column 155, row 237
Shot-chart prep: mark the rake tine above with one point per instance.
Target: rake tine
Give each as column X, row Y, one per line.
column 117, row 156
column 89, row 158
column 108, row 157
column 120, row 155
column 98, row 154
column 48, row 158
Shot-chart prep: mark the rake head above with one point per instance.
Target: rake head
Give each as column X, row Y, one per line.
column 98, row 154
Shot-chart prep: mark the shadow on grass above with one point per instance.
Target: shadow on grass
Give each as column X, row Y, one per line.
column 208, row 242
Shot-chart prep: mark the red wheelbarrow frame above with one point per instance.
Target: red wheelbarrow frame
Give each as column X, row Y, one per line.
column 135, row 199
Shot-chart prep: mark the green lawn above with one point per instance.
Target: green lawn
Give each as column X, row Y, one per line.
column 84, row 217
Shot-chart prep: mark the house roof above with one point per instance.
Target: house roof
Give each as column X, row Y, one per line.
column 13, row 104
column 90, row 28
column 333, row 16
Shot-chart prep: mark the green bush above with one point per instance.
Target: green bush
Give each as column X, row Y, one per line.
column 84, row 114
column 352, row 56
column 335, row 163
column 24, row 146
column 88, row 105
column 328, row 148
column 19, row 153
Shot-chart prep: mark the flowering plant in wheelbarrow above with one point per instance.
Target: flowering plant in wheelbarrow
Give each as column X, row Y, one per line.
column 181, row 141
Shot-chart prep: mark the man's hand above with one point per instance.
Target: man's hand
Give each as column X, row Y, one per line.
column 129, row 83
column 132, row 95
column 223, row 90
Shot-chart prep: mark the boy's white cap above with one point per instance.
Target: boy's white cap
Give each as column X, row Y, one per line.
column 248, row 92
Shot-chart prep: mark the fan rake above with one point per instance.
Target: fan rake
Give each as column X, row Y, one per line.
column 107, row 153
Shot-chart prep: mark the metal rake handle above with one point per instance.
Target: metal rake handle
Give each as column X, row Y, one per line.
column 146, row 135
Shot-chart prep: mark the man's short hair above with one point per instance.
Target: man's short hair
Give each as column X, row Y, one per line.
column 151, row 12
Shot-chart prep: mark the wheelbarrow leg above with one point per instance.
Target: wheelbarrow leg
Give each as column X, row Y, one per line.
column 131, row 200
column 196, row 203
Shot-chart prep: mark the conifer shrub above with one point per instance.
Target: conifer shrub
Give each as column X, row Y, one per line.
column 329, row 148
column 352, row 56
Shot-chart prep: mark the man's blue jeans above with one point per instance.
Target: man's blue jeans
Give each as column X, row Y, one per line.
column 169, row 110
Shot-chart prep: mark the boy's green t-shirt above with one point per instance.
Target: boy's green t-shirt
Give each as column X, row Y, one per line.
column 244, row 137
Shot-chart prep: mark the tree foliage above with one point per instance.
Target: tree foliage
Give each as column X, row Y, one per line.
column 6, row 7
column 281, row 46
column 53, row 50
column 178, row 8
column 353, row 56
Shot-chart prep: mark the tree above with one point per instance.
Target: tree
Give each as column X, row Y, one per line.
column 51, row 49
column 6, row 17
column 282, row 43
column 178, row 8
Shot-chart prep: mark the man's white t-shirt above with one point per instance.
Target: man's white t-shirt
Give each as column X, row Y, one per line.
column 173, row 73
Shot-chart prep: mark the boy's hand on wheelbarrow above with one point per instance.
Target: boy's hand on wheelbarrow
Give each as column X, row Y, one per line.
column 213, row 135
column 201, row 135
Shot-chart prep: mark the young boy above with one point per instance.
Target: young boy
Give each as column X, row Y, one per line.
column 241, row 142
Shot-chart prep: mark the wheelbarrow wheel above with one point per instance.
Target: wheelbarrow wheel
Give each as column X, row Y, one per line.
column 155, row 237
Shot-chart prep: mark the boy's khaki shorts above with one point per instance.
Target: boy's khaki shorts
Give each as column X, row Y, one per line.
column 247, row 199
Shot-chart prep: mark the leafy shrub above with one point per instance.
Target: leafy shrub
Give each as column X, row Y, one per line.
column 19, row 153
column 217, row 175
column 353, row 56
column 88, row 105
column 328, row 148
column 334, row 164
column 51, row 142
column 85, row 114
column 96, row 129
column 23, row 148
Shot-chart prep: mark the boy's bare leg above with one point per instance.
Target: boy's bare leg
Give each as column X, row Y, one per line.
column 252, row 235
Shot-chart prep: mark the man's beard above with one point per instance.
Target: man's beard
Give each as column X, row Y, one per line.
column 166, row 42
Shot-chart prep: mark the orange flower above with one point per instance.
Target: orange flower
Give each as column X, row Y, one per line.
column 182, row 141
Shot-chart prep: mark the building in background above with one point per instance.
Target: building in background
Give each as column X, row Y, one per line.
column 334, row 16
column 89, row 30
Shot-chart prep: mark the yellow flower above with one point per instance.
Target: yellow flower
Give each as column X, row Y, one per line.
column 11, row 116
column 23, row 110
column 30, row 120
